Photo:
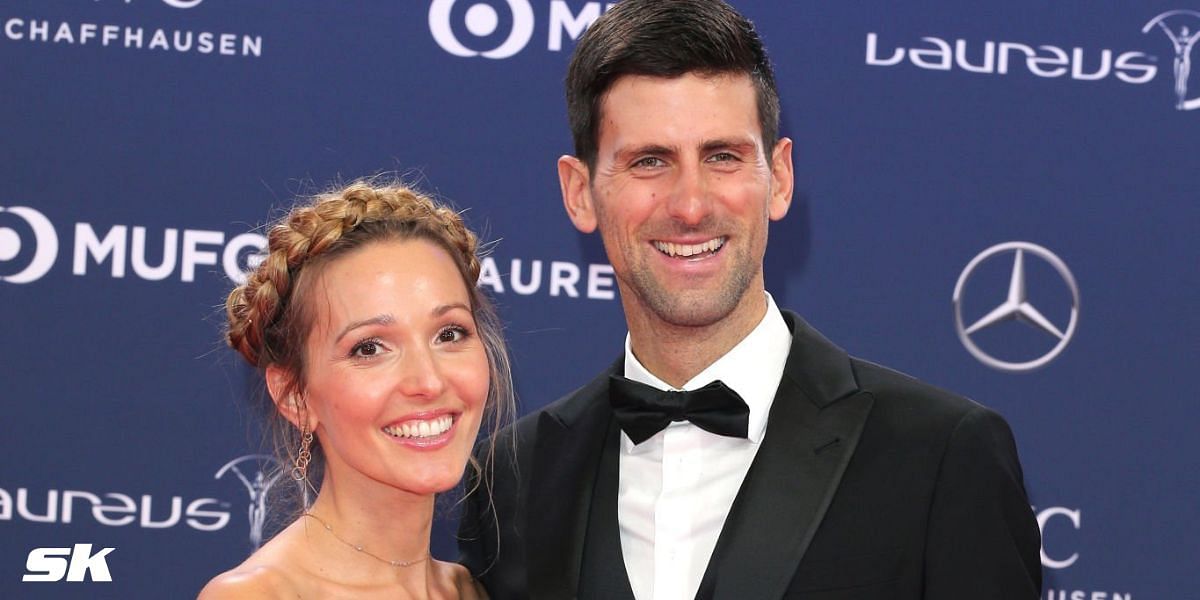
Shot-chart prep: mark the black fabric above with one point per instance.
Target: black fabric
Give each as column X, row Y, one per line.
column 869, row 485
column 643, row 410
column 602, row 573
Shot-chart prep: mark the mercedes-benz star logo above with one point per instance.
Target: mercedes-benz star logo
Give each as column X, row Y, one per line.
column 1016, row 306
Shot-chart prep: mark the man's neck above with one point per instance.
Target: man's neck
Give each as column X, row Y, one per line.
column 676, row 354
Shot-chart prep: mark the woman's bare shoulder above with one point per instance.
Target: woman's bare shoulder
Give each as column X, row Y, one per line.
column 281, row 568
column 459, row 580
column 273, row 571
column 249, row 581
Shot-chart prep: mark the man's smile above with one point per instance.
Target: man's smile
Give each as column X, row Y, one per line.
column 674, row 249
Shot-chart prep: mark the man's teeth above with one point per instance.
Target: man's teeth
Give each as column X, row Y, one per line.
column 673, row 249
column 420, row 429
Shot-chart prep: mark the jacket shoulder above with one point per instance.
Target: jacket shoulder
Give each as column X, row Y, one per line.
column 909, row 403
column 892, row 386
column 566, row 409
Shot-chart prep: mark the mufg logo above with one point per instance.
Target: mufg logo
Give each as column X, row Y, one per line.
column 45, row 244
column 29, row 249
column 1182, row 28
column 1050, row 309
column 470, row 29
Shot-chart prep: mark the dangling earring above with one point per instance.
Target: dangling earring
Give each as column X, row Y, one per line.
column 300, row 471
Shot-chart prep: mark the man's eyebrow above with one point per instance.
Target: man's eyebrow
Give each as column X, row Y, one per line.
column 739, row 144
column 645, row 149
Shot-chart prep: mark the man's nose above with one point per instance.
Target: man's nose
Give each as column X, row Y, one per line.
column 690, row 203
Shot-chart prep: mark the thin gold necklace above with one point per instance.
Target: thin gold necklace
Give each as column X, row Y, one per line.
column 360, row 549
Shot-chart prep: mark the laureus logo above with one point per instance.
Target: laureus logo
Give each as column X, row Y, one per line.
column 1017, row 306
column 258, row 474
column 1182, row 29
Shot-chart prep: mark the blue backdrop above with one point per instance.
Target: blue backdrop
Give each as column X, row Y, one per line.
column 143, row 143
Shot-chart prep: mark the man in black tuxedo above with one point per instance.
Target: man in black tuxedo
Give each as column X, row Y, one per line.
column 785, row 468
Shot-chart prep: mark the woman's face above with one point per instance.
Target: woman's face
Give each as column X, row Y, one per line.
column 397, row 375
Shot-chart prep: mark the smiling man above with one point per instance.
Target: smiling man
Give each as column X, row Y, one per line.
column 732, row 452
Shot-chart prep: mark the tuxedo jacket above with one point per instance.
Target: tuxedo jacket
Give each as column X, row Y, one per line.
column 868, row 485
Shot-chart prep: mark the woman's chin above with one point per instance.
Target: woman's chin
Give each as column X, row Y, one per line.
column 432, row 482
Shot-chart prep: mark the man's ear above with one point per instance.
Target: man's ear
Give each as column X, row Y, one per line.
column 287, row 400
column 782, row 182
column 575, row 181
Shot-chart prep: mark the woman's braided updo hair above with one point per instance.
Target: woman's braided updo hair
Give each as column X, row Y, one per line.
column 333, row 223
column 270, row 315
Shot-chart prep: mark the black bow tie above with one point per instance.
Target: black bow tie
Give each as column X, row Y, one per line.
column 643, row 411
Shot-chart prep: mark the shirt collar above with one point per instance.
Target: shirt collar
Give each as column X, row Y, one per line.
column 752, row 368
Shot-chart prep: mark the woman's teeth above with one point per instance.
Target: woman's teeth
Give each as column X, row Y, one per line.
column 421, row 429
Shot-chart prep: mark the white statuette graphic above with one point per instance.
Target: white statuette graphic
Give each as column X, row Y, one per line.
column 1175, row 25
column 258, row 482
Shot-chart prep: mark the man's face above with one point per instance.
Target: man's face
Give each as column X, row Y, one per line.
column 682, row 191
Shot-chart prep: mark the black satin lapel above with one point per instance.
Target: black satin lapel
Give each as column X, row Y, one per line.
column 785, row 494
column 566, row 457
column 602, row 574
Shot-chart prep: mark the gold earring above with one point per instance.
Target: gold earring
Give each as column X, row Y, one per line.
column 300, row 471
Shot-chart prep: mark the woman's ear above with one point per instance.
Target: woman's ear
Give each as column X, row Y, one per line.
column 288, row 401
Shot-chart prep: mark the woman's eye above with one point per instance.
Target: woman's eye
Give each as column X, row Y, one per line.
column 453, row 334
column 367, row 349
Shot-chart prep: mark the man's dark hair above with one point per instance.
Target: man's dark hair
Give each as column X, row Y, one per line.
column 665, row 38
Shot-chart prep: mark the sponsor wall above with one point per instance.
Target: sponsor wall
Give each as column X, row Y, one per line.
column 999, row 198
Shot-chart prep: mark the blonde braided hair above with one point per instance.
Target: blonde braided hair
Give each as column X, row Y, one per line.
column 269, row 317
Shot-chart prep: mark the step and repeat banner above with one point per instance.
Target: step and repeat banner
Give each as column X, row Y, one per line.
column 1000, row 198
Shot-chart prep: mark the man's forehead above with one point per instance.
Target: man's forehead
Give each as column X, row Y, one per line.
column 650, row 83
column 692, row 109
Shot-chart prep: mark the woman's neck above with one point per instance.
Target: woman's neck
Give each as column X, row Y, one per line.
column 392, row 528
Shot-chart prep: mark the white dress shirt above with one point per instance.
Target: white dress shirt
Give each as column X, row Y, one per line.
column 676, row 488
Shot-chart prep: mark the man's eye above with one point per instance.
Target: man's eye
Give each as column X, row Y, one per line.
column 367, row 349
column 722, row 157
column 649, row 162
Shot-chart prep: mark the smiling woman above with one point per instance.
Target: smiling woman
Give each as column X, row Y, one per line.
column 382, row 358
